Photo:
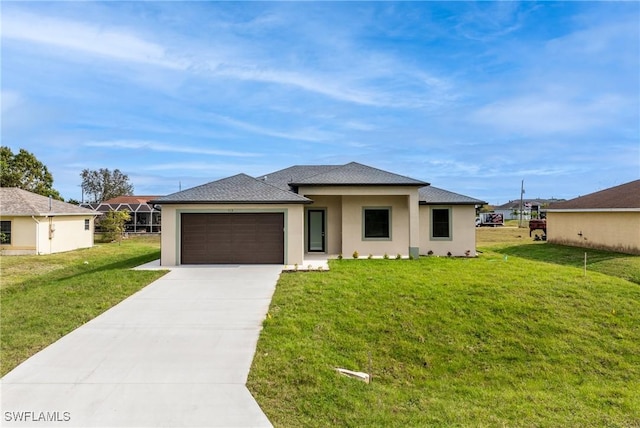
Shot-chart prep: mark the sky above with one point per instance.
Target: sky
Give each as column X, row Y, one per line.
column 470, row 97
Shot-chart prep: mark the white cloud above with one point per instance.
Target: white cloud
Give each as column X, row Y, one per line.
column 309, row 134
column 162, row 147
column 548, row 114
column 370, row 79
column 10, row 100
column 98, row 40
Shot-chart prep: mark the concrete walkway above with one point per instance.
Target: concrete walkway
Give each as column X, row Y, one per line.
column 175, row 354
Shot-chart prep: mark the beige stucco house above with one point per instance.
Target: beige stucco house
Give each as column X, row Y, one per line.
column 608, row 220
column 35, row 224
column 323, row 209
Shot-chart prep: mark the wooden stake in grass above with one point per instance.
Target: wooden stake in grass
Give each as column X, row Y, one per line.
column 585, row 264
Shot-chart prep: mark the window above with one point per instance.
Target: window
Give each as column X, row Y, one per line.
column 5, row 232
column 87, row 224
column 441, row 223
column 377, row 223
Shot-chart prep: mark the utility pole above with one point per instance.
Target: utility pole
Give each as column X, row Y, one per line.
column 521, row 202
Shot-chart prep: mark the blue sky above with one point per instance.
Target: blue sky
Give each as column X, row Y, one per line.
column 471, row 97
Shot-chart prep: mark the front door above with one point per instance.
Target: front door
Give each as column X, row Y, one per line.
column 315, row 231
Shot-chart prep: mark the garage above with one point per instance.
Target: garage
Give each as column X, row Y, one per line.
column 232, row 238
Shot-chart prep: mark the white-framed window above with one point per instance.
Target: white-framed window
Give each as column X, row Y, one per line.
column 441, row 224
column 87, row 224
column 376, row 223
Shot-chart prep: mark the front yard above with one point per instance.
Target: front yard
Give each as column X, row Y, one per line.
column 505, row 339
column 42, row 298
column 516, row 337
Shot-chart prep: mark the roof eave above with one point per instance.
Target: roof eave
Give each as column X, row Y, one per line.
column 591, row 210
column 453, row 203
column 308, row 201
column 360, row 184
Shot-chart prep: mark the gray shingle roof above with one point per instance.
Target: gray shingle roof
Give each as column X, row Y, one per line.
column 430, row 195
column 624, row 196
column 238, row 189
column 355, row 174
column 18, row 202
column 293, row 174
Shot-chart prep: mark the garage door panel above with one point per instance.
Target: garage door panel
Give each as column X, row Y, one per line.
column 239, row 238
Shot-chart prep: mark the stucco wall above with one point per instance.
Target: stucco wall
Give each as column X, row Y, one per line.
column 23, row 236
column 463, row 231
column 352, row 226
column 69, row 234
column 616, row 231
column 31, row 237
column 348, row 225
column 333, row 219
column 294, row 225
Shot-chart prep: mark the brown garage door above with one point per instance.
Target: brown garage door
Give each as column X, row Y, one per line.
column 242, row 238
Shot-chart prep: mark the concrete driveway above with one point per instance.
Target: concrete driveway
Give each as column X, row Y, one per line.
column 175, row 354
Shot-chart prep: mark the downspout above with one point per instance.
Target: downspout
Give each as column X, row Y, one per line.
column 37, row 235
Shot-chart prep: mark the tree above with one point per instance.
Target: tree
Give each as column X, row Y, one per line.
column 24, row 171
column 112, row 224
column 104, row 184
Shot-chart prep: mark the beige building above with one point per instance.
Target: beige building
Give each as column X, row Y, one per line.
column 35, row 224
column 608, row 220
column 282, row 217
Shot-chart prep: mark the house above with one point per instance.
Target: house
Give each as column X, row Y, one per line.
column 531, row 208
column 145, row 218
column 328, row 209
column 35, row 224
column 608, row 219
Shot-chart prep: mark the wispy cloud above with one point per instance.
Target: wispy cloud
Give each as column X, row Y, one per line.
column 309, row 134
column 167, row 148
column 367, row 84
column 10, row 100
column 110, row 42
column 545, row 114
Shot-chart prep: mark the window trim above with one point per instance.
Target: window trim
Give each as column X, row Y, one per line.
column 449, row 210
column 9, row 235
column 87, row 224
column 364, row 235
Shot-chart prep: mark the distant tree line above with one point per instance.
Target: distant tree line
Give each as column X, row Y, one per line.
column 102, row 184
column 24, row 171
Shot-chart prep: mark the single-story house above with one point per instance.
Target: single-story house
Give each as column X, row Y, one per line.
column 35, row 224
column 145, row 218
column 531, row 208
column 608, row 220
column 329, row 209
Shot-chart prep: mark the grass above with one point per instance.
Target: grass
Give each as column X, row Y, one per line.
column 492, row 341
column 42, row 298
column 516, row 242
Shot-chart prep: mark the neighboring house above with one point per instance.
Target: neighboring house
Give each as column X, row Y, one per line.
column 35, row 224
column 530, row 208
column 145, row 218
column 608, row 219
column 327, row 209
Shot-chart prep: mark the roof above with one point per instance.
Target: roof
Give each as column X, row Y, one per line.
column 624, row 196
column 130, row 199
column 238, row 189
column 355, row 174
column 293, row 174
column 18, row 202
column 430, row 195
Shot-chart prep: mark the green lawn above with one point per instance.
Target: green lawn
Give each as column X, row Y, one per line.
column 505, row 339
column 42, row 298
